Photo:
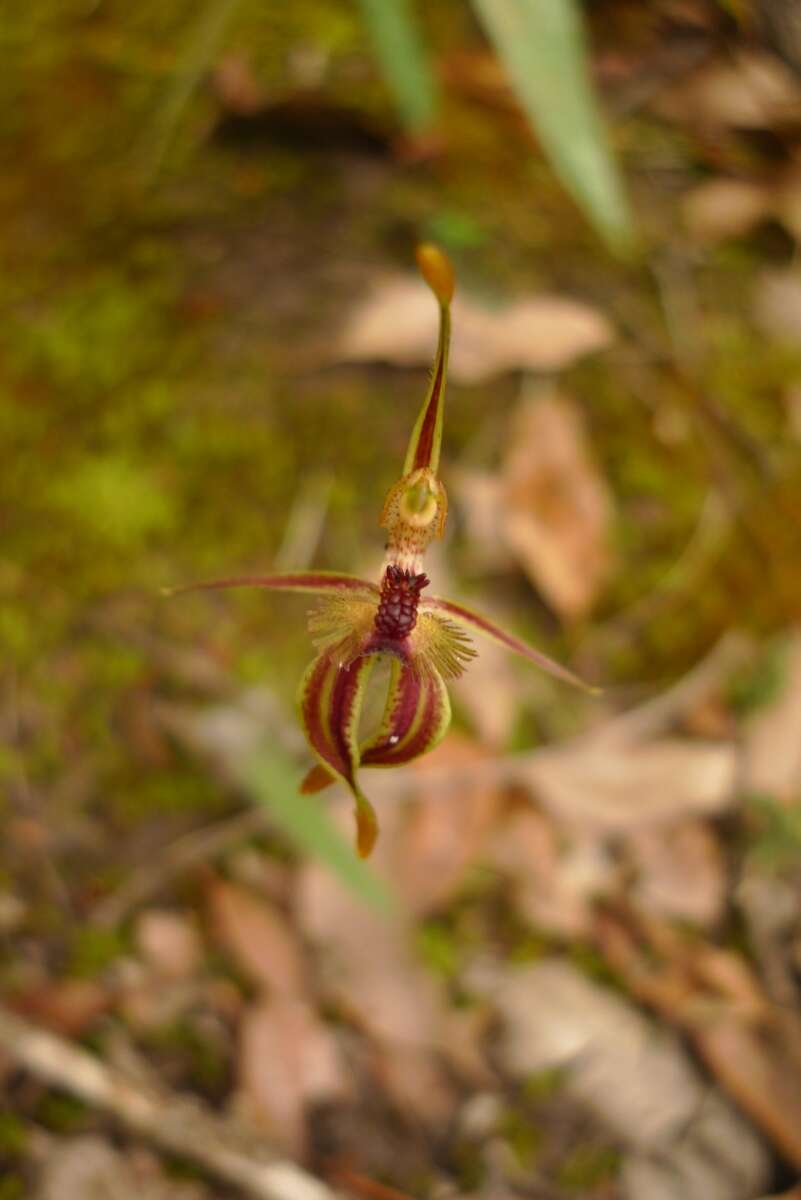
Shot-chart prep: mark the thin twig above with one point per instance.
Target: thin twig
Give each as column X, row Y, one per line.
column 176, row 1124
column 658, row 713
column 184, row 853
column 304, row 525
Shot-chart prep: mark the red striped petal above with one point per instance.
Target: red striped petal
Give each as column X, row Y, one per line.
column 416, row 717
column 472, row 620
column 330, row 702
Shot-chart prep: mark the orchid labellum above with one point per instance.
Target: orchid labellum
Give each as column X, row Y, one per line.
column 356, row 622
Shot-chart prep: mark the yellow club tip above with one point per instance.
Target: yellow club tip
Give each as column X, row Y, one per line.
column 436, row 269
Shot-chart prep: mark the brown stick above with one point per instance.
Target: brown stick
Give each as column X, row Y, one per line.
column 176, row 1124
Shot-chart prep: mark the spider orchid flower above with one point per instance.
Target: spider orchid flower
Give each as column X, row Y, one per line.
column 357, row 622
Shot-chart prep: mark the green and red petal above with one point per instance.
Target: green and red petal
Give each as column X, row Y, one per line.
column 322, row 583
column 330, row 702
column 424, row 444
column 481, row 624
column 416, row 717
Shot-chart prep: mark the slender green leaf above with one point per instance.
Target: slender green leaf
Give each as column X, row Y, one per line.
column 403, row 60
column 202, row 44
column 542, row 45
column 305, row 819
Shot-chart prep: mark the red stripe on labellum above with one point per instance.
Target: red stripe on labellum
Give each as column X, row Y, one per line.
column 419, row 718
column 404, row 699
column 428, row 731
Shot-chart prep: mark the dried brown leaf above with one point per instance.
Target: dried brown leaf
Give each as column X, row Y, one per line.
column 681, row 875
column 168, row 942
column 625, row 787
column 367, row 963
column 67, row 1006
column 416, row 1083
column 557, row 507
column 725, row 208
column 777, row 304
column 748, row 89
column 556, row 873
column 288, row 1059
column 479, row 496
column 715, row 997
column 369, row 969
column 447, row 828
column 683, row 1136
column 90, row 1168
column 258, row 938
column 540, row 333
column 761, row 1080
column 772, row 745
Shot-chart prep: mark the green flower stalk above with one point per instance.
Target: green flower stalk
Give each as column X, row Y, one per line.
column 357, row 622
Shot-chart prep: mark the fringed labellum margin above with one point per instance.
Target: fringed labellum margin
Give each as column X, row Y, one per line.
column 356, row 621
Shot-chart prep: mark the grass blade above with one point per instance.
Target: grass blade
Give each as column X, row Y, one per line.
column 542, row 46
column 403, row 60
column 274, row 782
column 203, row 43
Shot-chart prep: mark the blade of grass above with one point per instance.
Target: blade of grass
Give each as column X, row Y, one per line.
column 273, row 782
column 400, row 52
column 542, row 46
column 201, row 47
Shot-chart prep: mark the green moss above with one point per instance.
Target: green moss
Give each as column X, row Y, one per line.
column 202, row 1059
column 775, row 834
column 761, row 682
column 528, row 947
column 94, row 949
column 140, row 797
column 523, row 1137
column 592, row 963
column 61, row 1113
column 13, row 1136
column 438, row 947
column 13, row 1187
column 112, row 501
column 588, row 1167
column 544, row 1085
